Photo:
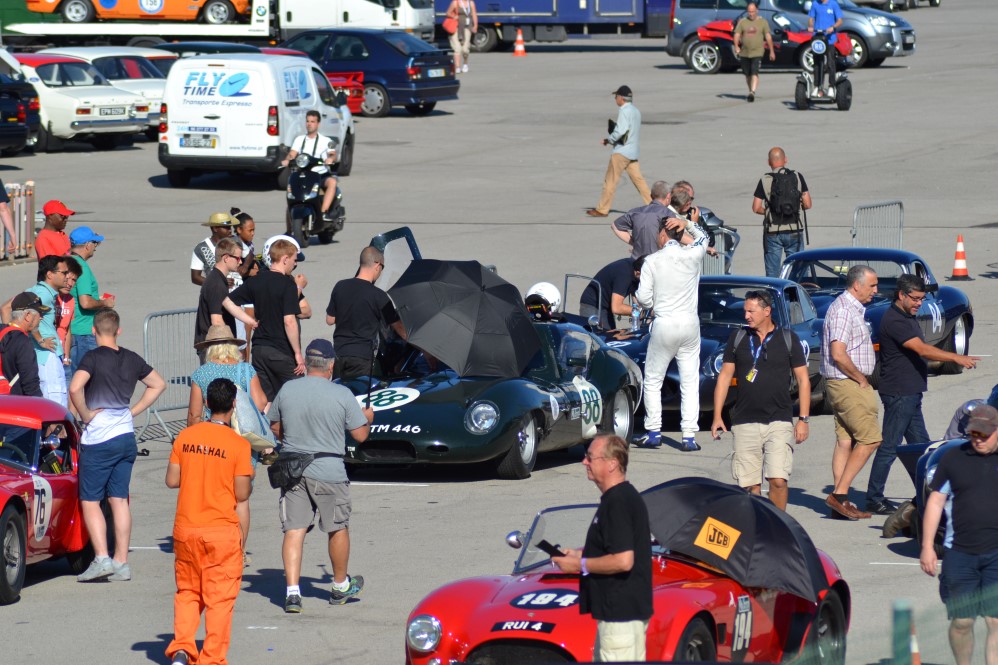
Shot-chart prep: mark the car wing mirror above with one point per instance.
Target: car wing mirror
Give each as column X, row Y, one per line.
column 515, row 539
column 340, row 99
column 593, row 322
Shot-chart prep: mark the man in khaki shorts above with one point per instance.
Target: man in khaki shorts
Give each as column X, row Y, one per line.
column 763, row 357
column 847, row 359
column 312, row 415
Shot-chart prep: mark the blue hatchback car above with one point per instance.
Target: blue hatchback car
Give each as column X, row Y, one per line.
column 399, row 69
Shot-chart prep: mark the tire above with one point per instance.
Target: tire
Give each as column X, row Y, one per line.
column 860, row 52
column 800, row 96
column 958, row 342
column 684, row 50
column 145, row 41
column 10, row 152
column 105, row 142
column 376, row 102
column 696, row 644
column 298, row 233
column 485, row 40
column 152, row 133
column 843, row 95
column 423, row 108
column 618, row 415
column 705, row 58
column 218, row 12
column 46, row 142
column 346, row 157
column 178, row 178
column 326, row 237
column 78, row 11
column 281, row 179
column 14, row 553
column 520, row 459
column 935, row 3
column 826, row 640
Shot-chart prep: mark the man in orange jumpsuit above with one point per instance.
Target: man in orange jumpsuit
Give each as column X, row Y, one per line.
column 211, row 465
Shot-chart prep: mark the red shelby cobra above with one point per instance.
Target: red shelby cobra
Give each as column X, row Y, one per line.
column 714, row 49
column 39, row 499
column 701, row 614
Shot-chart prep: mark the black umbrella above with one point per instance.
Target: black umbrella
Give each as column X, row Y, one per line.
column 466, row 316
column 745, row 536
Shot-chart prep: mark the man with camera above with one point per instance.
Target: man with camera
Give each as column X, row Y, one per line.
column 322, row 148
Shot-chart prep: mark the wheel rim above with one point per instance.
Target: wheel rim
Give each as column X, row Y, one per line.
column 527, row 441
column 217, row 13
column 76, row 12
column 857, row 51
column 807, row 60
column 374, row 100
column 829, row 640
column 960, row 337
column 11, row 553
column 621, row 415
column 703, row 57
column 694, row 651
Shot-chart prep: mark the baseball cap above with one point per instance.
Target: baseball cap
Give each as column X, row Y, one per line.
column 983, row 419
column 623, row 91
column 83, row 235
column 28, row 300
column 320, row 348
column 54, row 207
column 221, row 219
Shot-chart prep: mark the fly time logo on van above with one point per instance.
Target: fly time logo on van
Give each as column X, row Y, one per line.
column 205, row 88
column 296, row 85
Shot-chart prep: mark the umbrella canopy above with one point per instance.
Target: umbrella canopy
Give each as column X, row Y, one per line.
column 745, row 536
column 466, row 316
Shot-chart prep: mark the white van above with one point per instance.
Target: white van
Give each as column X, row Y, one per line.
column 241, row 112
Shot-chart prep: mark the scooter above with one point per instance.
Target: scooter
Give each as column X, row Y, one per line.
column 809, row 85
column 305, row 194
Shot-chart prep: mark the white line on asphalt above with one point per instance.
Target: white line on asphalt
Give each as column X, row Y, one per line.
column 353, row 484
column 894, row 563
column 137, row 547
column 261, row 627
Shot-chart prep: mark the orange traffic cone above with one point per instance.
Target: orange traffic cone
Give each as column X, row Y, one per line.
column 960, row 262
column 916, row 657
column 519, row 50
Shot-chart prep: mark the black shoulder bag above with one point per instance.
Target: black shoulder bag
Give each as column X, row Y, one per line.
column 287, row 470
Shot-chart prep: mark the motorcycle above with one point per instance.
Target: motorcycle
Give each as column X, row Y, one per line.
column 305, row 192
column 811, row 86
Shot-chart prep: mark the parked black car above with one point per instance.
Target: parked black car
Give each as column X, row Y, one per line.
column 14, row 86
column 13, row 125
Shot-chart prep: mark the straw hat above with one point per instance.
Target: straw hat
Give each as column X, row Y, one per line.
column 219, row 335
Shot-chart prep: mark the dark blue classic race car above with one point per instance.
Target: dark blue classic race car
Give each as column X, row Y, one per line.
column 721, row 312
column 946, row 317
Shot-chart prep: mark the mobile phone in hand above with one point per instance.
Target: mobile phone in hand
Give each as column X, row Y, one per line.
column 549, row 549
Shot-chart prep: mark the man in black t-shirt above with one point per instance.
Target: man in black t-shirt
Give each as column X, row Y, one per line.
column 763, row 357
column 274, row 295
column 903, row 379
column 214, row 291
column 616, row 281
column 781, row 234
column 615, row 565
column 969, row 583
column 359, row 309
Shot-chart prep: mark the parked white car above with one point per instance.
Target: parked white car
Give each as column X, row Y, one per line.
column 129, row 68
column 78, row 103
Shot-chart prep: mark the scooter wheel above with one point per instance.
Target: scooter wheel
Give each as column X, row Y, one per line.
column 843, row 95
column 800, row 96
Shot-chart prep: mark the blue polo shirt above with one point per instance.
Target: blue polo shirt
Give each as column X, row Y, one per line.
column 46, row 327
column 825, row 15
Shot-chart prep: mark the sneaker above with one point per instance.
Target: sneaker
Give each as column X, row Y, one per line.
column 122, row 572
column 464, row 69
column 341, row 597
column 689, row 445
column 179, row 658
column 292, row 604
column 885, row 507
column 649, row 440
column 99, row 570
column 751, row 96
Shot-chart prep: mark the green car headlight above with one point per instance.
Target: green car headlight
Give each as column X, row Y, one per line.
column 482, row 417
column 423, row 633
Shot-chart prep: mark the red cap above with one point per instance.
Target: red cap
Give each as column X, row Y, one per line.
column 57, row 208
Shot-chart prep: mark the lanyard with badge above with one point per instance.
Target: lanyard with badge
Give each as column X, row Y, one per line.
column 752, row 373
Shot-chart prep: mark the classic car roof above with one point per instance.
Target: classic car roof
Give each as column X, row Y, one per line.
column 30, row 411
column 39, row 59
column 91, row 53
column 855, row 253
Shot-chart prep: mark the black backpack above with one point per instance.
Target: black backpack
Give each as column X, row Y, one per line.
column 784, row 198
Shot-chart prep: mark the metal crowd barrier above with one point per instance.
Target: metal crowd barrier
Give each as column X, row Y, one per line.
column 879, row 225
column 168, row 346
column 22, row 209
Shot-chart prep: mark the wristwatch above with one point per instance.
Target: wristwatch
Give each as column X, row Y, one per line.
column 804, row 419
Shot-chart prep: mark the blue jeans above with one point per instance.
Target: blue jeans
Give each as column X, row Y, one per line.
column 902, row 418
column 773, row 246
column 993, row 399
column 81, row 344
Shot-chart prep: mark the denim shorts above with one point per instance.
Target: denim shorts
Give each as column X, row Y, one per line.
column 106, row 468
column 969, row 584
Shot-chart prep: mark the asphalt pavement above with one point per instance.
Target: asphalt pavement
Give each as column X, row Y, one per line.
column 504, row 175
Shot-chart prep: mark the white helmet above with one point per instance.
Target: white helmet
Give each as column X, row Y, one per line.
column 549, row 292
column 271, row 240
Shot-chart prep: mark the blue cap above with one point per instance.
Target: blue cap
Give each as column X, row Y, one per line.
column 84, row 234
column 320, row 348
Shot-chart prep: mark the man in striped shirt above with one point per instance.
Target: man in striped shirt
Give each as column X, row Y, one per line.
column 847, row 359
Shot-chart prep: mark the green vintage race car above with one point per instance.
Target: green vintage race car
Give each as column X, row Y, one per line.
column 427, row 414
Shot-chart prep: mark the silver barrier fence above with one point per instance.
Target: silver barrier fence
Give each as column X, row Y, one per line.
column 712, row 265
column 22, row 209
column 168, row 346
column 879, row 225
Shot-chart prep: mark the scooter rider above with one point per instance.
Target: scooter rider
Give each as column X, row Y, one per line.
column 825, row 16
column 319, row 146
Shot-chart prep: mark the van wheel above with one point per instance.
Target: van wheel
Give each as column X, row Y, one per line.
column 78, row 11
column 485, row 40
column 178, row 177
column 376, row 103
column 218, row 12
column 422, row 108
column 346, row 157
